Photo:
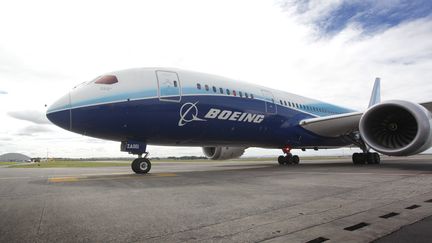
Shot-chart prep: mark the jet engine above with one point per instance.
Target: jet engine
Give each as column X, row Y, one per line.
column 222, row 153
column 397, row 128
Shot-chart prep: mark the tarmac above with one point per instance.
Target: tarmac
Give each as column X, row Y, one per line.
column 233, row 201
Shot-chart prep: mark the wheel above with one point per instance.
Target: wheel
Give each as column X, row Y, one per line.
column 359, row 158
column 141, row 165
column 370, row 159
column 362, row 158
column 373, row 158
column 355, row 158
column 295, row 160
column 377, row 158
column 281, row 160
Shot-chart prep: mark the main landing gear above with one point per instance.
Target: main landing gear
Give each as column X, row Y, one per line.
column 288, row 158
column 366, row 158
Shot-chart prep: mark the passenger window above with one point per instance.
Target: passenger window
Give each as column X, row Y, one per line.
column 175, row 83
column 285, row 103
column 107, row 79
column 221, row 90
column 297, row 105
column 234, row 93
column 214, row 89
column 246, row 95
column 240, row 94
column 228, row 92
column 252, row 96
column 198, row 86
column 206, row 87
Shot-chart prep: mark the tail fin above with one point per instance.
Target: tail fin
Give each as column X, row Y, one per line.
column 376, row 93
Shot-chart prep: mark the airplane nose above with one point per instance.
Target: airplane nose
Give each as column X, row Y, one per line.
column 59, row 112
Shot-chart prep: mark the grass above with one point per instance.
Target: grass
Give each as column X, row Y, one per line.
column 66, row 164
column 9, row 163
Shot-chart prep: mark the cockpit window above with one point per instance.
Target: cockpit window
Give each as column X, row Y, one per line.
column 106, row 79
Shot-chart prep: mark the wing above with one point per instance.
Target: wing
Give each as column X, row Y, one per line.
column 333, row 126
column 427, row 105
column 339, row 125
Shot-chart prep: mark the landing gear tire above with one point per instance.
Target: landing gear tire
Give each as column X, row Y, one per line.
column 281, row 160
column 377, row 158
column 141, row 165
column 295, row 160
column 288, row 159
column 373, row 158
column 358, row 158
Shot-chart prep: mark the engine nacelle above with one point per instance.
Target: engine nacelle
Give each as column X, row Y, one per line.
column 397, row 128
column 222, row 153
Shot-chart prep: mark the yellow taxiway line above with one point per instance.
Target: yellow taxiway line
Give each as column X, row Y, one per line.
column 90, row 178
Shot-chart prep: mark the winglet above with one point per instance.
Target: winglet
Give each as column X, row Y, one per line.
column 376, row 93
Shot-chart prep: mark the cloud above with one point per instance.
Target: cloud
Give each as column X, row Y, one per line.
column 34, row 116
column 33, row 129
column 332, row 17
column 3, row 92
column 276, row 47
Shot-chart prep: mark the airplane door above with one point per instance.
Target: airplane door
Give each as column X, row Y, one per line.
column 269, row 102
column 168, row 86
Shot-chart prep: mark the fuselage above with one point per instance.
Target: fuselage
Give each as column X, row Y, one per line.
column 165, row 106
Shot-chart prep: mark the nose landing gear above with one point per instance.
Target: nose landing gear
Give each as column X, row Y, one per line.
column 140, row 165
column 288, row 158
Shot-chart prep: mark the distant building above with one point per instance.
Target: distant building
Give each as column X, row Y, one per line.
column 14, row 157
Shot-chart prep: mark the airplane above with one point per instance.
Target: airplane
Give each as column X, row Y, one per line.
column 174, row 107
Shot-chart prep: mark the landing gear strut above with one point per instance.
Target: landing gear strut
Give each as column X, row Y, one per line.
column 288, row 158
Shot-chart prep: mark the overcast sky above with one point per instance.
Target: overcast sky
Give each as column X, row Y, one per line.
column 330, row 50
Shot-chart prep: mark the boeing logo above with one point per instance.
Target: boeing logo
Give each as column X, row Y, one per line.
column 234, row 116
column 189, row 113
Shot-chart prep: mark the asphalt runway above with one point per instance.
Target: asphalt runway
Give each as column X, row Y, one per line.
column 332, row 201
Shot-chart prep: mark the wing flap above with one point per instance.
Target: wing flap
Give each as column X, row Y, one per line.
column 333, row 126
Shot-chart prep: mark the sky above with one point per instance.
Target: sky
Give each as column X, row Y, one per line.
column 329, row 50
